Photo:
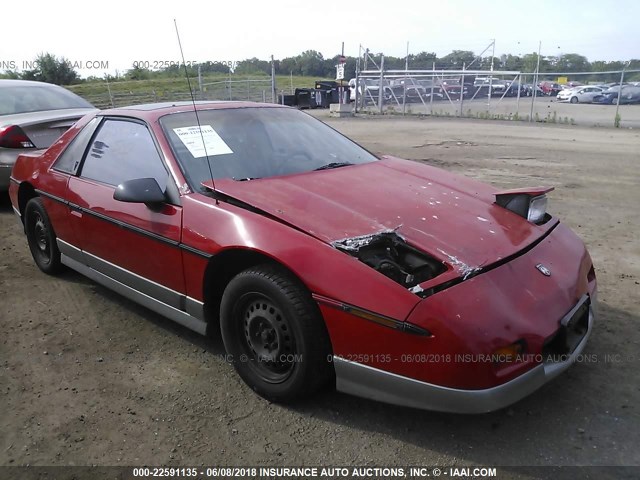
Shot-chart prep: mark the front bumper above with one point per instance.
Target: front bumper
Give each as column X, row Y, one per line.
column 368, row 382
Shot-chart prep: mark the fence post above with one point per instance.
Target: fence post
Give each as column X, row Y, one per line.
column 616, row 123
column 462, row 88
column 433, row 79
column 381, row 87
column 535, row 82
column 518, row 97
column 110, row 96
column 357, row 96
column 273, row 81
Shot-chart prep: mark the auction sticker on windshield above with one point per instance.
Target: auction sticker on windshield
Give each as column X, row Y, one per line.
column 193, row 137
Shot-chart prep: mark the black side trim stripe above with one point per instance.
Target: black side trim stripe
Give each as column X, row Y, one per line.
column 377, row 318
column 52, row 197
column 195, row 251
column 127, row 226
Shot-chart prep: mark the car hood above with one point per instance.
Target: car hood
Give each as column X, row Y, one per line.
column 451, row 217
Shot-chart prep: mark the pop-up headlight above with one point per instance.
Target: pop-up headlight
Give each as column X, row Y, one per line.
column 528, row 203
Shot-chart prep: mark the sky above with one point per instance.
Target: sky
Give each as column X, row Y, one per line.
column 102, row 37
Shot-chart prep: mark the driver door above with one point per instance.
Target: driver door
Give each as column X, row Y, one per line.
column 133, row 243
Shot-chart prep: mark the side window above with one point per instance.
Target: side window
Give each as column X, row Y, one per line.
column 121, row 151
column 72, row 156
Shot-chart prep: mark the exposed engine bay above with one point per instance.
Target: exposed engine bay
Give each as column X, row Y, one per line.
column 388, row 253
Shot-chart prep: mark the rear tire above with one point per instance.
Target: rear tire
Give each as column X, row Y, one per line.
column 274, row 333
column 41, row 237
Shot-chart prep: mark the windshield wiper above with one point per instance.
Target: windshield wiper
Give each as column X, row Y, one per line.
column 331, row 165
column 246, row 179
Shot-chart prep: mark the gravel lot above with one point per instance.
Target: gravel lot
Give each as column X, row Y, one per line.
column 88, row 377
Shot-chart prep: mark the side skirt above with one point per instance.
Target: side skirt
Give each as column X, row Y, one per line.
column 183, row 318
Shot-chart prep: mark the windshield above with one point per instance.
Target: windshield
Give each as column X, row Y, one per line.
column 251, row 143
column 25, row 99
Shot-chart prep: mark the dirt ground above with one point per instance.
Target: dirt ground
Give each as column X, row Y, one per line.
column 88, row 377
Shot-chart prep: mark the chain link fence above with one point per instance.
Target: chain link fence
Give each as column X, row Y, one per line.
column 110, row 95
column 587, row 98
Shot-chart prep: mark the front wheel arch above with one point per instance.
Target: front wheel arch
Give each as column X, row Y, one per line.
column 275, row 333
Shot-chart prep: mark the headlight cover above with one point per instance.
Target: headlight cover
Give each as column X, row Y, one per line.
column 537, row 208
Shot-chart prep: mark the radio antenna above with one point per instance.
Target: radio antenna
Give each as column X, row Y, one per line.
column 195, row 110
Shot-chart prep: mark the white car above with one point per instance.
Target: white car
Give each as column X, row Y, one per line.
column 581, row 94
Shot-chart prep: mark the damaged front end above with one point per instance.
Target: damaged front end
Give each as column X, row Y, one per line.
column 388, row 253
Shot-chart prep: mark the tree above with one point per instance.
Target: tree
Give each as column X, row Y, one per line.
column 52, row 70
column 530, row 61
column 422, row 60
column 10, row 74
column 457, row 59
column 288, row 66
column 572, row 62
column 311, row 63
column 510, row 62
column 138, row 73
column 252, row 66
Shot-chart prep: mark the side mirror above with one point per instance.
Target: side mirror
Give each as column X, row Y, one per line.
column 139, row 190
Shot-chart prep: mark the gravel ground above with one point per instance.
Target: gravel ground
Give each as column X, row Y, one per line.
column 88, row 377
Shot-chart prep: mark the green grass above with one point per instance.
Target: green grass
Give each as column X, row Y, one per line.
column 161, row 85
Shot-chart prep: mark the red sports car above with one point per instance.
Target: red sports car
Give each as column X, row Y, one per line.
column 318, row 262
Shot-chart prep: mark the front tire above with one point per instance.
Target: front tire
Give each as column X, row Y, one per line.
column 574, row 100
column 41, row 237
column 275, row 334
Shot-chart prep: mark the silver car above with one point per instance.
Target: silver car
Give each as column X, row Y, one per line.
column 32, row 116
column 581, row 94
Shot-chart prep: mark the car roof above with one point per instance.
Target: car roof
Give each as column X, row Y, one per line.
column 153, row 111
column 25, row 83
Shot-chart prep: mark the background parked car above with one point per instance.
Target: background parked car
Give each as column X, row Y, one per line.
column 528, row 89
column 550, row 88
column 432, row 86
column 369, row 88
column 583, row 94
column 451, row 89
column 630, row 94
column 408, row 88
column 33, row 115
column 481, row 86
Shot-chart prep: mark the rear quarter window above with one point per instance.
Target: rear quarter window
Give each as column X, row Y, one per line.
column 71, row 158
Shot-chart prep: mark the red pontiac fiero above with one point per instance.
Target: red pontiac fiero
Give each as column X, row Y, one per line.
column 318, row 262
